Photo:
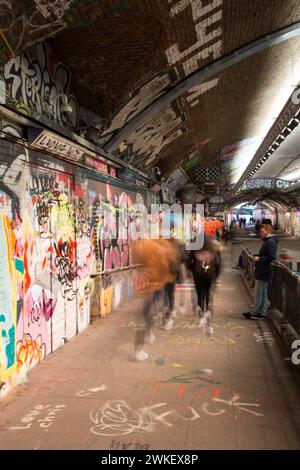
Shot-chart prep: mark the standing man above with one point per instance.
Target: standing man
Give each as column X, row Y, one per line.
column 263, row 273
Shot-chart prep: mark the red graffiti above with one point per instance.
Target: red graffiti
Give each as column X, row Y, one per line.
column 27, row 278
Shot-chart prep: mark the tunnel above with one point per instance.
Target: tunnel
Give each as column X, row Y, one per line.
column 149, row 225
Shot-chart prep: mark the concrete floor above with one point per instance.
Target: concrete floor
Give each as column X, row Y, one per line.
column 234, row 390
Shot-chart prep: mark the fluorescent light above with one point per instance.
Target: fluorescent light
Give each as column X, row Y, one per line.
column 273, row 109
column 293, row 175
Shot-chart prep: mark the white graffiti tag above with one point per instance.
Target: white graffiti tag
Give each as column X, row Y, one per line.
column 117, row 418
column 264, row 337
column 26, row 30
column 234, row 403
column 207, row 29
column 89, row 391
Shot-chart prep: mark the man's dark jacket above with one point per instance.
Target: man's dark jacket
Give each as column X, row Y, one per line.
column 267, row 254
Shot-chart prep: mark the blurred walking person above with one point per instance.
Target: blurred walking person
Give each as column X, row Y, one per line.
column 158, row 259
column 205, row 265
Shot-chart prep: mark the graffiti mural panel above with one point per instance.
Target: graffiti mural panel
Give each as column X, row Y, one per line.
column 85, row 252
column 31, row 86
column 57, row 235
column 111, row 229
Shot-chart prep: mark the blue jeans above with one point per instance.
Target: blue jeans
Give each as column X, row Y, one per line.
column 261, row 298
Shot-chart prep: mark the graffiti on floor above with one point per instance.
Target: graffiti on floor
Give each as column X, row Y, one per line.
column 117, row 417
column 182, row 325
column 188, row 340
column 235, row 403
column 90, row 391
column 177, row 365
column 43, row 415
column 194, row 376
column 200, row 379
column 119, row 445
column 264, row 337
column 231, row 326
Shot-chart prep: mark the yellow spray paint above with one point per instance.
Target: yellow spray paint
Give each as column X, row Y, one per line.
column 106, row 301
column 8, row 299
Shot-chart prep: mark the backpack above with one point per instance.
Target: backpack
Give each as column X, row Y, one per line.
column 205, row 261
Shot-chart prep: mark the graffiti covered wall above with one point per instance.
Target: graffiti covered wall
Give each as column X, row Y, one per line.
column 32, row 84
column 52, row 252
column 295, row 222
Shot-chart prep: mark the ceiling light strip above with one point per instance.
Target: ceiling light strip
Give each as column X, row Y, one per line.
column 293, row 123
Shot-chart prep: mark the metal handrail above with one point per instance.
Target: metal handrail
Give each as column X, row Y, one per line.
column 116, row 270
column 284, row 289
column 274, row 263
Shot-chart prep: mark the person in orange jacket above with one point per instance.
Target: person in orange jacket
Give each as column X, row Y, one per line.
column 158, row 258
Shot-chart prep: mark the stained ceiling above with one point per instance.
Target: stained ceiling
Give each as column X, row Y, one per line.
column 124, row 55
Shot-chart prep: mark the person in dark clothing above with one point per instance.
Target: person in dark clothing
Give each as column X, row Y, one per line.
column 257, row 227
column 205, row 266
column 169, row 300
column 225, row 235
column 263, row 273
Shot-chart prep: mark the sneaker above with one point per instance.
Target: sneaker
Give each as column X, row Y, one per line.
column 247, row 315
column 258, row 316
column 210, row 331
column 199, row 311
column 150, row 338
column 141, row 355
column 208, row 315
column 174, row 314
column 168, row 324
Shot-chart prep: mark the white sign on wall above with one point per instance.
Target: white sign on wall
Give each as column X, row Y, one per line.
column 175, row 181
column 57, row 145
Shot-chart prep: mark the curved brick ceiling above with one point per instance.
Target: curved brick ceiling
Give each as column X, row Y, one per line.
column 123, row 54
column 275, row 198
